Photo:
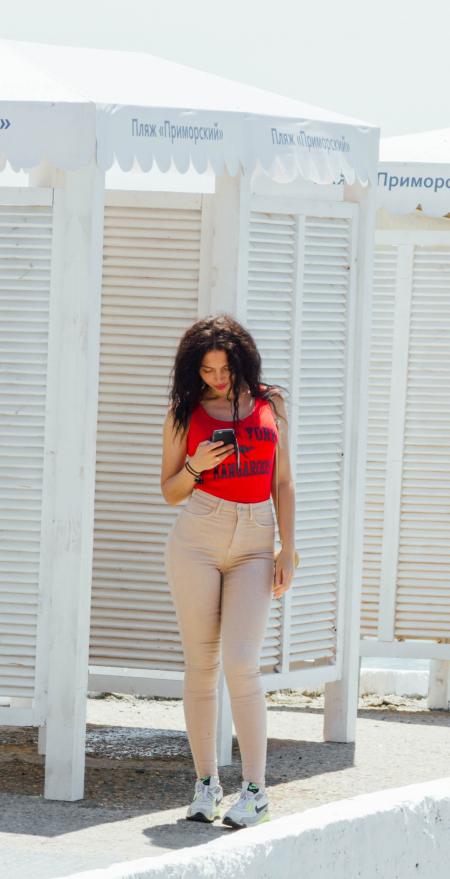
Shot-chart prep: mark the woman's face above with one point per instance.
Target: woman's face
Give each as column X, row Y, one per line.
column 215, row 372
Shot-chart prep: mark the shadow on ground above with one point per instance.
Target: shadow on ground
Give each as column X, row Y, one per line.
column 134, row 771
column 152, row 781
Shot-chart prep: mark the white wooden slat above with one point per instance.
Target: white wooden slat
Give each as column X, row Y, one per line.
column 320, row 437
column 380, row 369
column 149, row 297
column 25, row 258
column 423, row 584
column 396, row 422
column 420, row 570
column 269, row 317
column 286, row 253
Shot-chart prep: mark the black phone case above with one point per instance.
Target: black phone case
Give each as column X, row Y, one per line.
column 226, row 434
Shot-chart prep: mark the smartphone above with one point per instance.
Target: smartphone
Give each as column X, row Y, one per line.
column 227, row 435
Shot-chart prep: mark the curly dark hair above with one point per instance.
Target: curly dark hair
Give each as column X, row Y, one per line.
column 217, row 332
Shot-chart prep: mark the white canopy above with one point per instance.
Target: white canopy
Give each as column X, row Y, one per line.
column 41, row 117
column 152, row 110
column 415, row 170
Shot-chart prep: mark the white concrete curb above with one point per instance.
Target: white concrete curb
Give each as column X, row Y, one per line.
column 396, row 834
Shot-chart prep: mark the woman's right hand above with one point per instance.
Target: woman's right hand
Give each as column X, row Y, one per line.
column 208, row 455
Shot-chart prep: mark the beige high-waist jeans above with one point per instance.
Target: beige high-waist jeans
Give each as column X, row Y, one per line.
column 219, row 564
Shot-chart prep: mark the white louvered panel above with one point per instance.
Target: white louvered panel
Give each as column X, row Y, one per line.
column 25, row 257
column 149, row 298
column 423, row 587
column 320, row 428
column 271, row 292
column 380, row 370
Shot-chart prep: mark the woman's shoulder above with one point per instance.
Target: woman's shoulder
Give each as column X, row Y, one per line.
column 172, row 426
column 275, row 396
column 272, row 392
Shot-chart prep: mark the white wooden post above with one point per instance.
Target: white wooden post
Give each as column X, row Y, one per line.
column 226, row 236
column 42, row 735
column 438, row 688
column 341, row 696
column 69, row 475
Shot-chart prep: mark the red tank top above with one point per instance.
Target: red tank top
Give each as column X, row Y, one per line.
column 257, row 435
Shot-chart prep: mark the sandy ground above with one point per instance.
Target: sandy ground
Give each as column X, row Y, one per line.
column 140, row 776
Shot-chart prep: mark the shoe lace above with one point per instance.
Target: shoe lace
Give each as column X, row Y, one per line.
column 246, row 795
column 205, row 791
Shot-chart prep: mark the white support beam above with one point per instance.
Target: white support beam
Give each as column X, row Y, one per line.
column 341, row 696
column 404, row 649
column 225, row 220
column 42, row 739
column 69, row 472
column 347, row 464
column 438, row 688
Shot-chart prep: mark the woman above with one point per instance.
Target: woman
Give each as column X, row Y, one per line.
column 219, row 555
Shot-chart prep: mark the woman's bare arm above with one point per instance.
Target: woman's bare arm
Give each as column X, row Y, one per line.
column 176, row 482
column 286, row 486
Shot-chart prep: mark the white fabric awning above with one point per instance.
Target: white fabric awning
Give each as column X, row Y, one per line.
column 41, row 118
column 414, row 170
column 151, row 110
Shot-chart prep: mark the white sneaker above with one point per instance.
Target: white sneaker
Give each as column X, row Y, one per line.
column 251, row 808
column 207, row 797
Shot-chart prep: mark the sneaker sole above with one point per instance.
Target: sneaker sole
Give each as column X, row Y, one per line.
column 199, row 816
column 230, row 823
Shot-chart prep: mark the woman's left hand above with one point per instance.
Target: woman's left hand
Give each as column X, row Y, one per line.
column 283, row 572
